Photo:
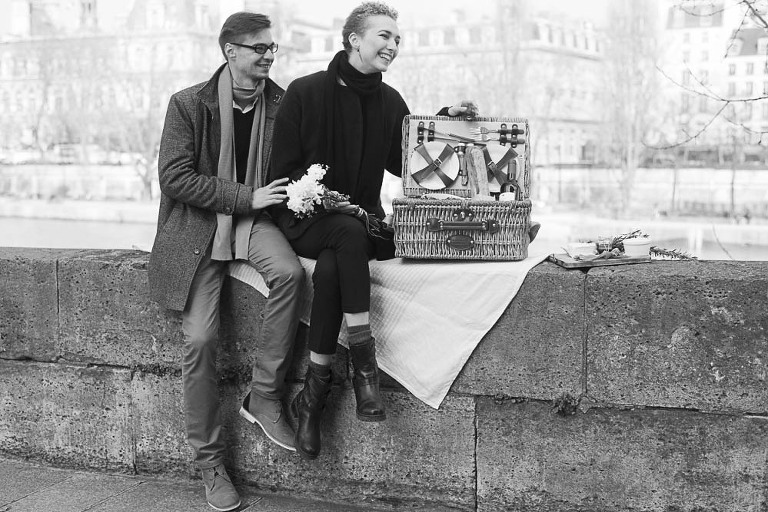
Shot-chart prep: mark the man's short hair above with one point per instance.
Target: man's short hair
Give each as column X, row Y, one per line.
column 240, row 25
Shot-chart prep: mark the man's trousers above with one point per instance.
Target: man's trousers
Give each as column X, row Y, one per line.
column 272, row 256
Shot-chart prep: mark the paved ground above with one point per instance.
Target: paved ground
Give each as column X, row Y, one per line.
column 26, row 487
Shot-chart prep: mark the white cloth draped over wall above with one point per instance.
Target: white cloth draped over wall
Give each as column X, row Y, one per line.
column 427, row 316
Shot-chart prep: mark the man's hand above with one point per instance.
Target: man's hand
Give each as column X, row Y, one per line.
column 269, row 195
column 467, row 108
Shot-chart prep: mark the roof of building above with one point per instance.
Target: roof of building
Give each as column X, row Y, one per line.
column 749, row 38
column 696, row 16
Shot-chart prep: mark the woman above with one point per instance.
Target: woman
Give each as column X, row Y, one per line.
column 348, row 119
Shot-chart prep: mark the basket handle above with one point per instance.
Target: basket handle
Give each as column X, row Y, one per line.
column 489, row 225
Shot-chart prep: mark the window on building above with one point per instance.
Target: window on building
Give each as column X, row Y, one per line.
column 734, row 48
column 679, row 20
column 329, row 43
column 765, row 110
column 703, row 76
column 750, row 68
column 705, row 56
column 88, row 13
column 686, row 56
column 449, row 37
column 765, row 87
column 762, row 46
column 703, row 104
column 475, row 35
column 731, row 69
column 731, row 89
column 748, row 89
column 423, row 37
column 18, row 104
column 705, row 37
column 685, row 102
column 747, row 109
column 686, row 78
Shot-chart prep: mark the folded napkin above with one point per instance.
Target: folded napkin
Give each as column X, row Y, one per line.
column 427, row 316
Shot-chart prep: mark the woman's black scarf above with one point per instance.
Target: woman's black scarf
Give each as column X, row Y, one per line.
column 342, row 142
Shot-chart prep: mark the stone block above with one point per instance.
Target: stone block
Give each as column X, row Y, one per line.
column 531, row 459
column 536, row 348
column 106, row 315
column 418, row 455
column 679, row 334
column 157, row 424
column 65, row 414
column 29, row 302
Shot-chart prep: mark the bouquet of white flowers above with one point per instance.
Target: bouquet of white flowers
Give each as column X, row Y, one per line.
column 307, row 192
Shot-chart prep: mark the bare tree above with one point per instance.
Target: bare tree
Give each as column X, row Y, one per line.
column 725, row 111
column 631, row 88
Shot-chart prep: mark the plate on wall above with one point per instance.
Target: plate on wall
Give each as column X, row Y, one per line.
column 450, row 166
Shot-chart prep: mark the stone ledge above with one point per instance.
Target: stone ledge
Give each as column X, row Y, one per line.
column 666, row 334
column 627, row 340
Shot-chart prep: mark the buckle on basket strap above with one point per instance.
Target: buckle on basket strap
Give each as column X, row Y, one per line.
column 434, row 224
column 494, row 168
column 433, row 165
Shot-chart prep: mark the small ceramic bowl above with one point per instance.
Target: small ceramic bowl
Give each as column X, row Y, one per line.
column 637, row 246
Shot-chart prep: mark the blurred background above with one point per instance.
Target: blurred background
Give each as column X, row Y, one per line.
column 644, row 114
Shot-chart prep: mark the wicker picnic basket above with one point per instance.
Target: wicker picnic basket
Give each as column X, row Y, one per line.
column 461, row 229
column 430, row 225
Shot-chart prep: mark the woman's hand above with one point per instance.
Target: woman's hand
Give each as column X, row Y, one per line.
column 341, row 207
column 466, row 108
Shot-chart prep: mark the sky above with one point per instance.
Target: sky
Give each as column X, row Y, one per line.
column 412, row 11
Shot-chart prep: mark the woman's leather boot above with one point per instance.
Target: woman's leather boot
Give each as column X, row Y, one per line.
column 366, row 381
column 308, row 408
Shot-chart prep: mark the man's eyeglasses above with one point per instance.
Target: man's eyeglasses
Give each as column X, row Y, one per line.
column 259, row 48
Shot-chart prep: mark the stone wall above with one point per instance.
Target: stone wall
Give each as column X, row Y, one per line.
column 625, row 388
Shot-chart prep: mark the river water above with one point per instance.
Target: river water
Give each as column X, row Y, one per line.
column 25, row 232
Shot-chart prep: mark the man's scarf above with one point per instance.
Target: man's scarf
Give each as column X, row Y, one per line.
column 222, row 241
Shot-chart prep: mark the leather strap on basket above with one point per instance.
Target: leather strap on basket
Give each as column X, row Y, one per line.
column 433, row 166
column 494, row 168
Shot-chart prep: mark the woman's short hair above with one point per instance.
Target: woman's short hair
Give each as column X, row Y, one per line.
column 242, row 24
column 358, row 17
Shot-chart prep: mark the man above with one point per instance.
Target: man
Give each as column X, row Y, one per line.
column 214, row 157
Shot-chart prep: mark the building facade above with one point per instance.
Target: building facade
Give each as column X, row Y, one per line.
column 513, row 61
column 717, row 83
